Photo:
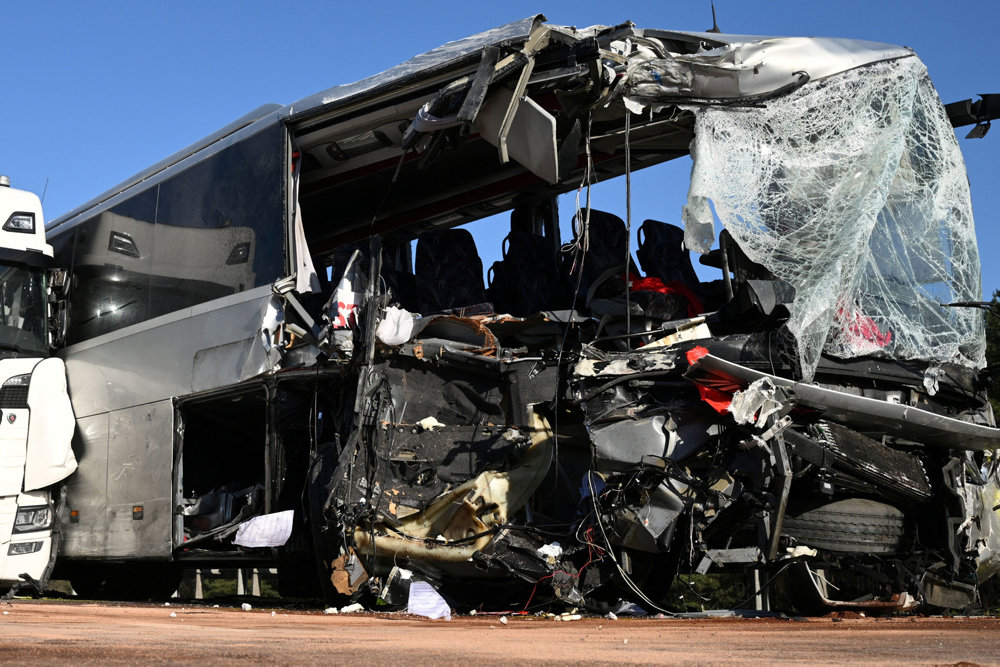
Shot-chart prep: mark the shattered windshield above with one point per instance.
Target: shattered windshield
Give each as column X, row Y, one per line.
column 22, row 316
column 853, row 190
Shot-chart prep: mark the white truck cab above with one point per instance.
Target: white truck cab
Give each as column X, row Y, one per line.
column 36, row 417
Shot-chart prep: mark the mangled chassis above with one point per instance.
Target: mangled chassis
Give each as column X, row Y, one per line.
column 666, row 459
column 819, row 413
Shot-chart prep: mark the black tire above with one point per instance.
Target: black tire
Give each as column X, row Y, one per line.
column 125, row 581
column 855, row 525
column 298, row 576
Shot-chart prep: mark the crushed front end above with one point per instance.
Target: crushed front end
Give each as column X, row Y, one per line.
column 585, row 428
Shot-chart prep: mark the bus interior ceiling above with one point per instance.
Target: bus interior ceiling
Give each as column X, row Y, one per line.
column 361, row 179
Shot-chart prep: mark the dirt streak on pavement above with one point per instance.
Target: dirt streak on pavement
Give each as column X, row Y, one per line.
column 93, row 632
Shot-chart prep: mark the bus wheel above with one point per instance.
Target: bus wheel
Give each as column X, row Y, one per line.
column 125, row 581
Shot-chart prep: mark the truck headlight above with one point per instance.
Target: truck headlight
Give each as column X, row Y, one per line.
column 18, row 381
column 32, row 518
column 22, row 548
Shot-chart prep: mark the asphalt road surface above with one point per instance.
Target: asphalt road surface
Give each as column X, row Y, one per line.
column 87, row 632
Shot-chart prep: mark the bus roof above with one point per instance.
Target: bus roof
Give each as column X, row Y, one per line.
column 816, row 56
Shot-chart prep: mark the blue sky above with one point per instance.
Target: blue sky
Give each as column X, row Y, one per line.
column 96, row 91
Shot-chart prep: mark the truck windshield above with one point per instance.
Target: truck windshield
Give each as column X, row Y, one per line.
column 22, row 309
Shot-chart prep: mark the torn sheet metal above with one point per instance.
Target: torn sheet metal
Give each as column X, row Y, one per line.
column 756, row 403
column 903, row 420
column 463, row 521
column 756, row 67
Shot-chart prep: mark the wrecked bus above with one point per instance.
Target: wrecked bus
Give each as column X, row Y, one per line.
column 36, row 418
column 281, row 348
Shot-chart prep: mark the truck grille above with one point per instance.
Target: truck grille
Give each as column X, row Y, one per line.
column 13, row 397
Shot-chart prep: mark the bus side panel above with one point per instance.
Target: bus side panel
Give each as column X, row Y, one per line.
column 85, row 519
column 140, row 481
column 209, row 345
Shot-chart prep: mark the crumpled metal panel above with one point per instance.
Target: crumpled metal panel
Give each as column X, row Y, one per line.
column 421, row 66
column 748, row 67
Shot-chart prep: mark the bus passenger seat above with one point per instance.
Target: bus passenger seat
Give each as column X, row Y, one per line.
column 526, row 281
column 605, row 255
column 662, row 254
column 449, row 271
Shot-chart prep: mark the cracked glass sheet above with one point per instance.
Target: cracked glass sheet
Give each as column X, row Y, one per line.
column 853, row 189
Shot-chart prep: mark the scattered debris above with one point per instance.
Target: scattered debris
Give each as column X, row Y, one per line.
column 568, row 617
column 425, row 601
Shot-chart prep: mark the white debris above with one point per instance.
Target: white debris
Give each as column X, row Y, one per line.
column 756, row 403
column 352, row 608
column 801, row 550
column 611, row 616
column 268, row 530
column 931, row 377
column 512, row 435
column 331, row 610
column 429, row 423
column 425, row 601
column 625, row 641
column 550, row 552
column 696, row 329
column 273, row 613
column 503, row 619
column 568, row 617
column 348, row 295
column 396, row 326
column 166, row 604
column 246, row 606
column 173, row 614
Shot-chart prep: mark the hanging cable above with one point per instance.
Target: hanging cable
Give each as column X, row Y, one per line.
column 580, row 253
column 628, row 224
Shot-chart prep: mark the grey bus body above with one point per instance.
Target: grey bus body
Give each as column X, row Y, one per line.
column 249, row 337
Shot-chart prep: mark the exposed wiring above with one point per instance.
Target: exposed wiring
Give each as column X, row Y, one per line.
column 597, row 519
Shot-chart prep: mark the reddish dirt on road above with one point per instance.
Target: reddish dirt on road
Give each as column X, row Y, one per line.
column 84, row 632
